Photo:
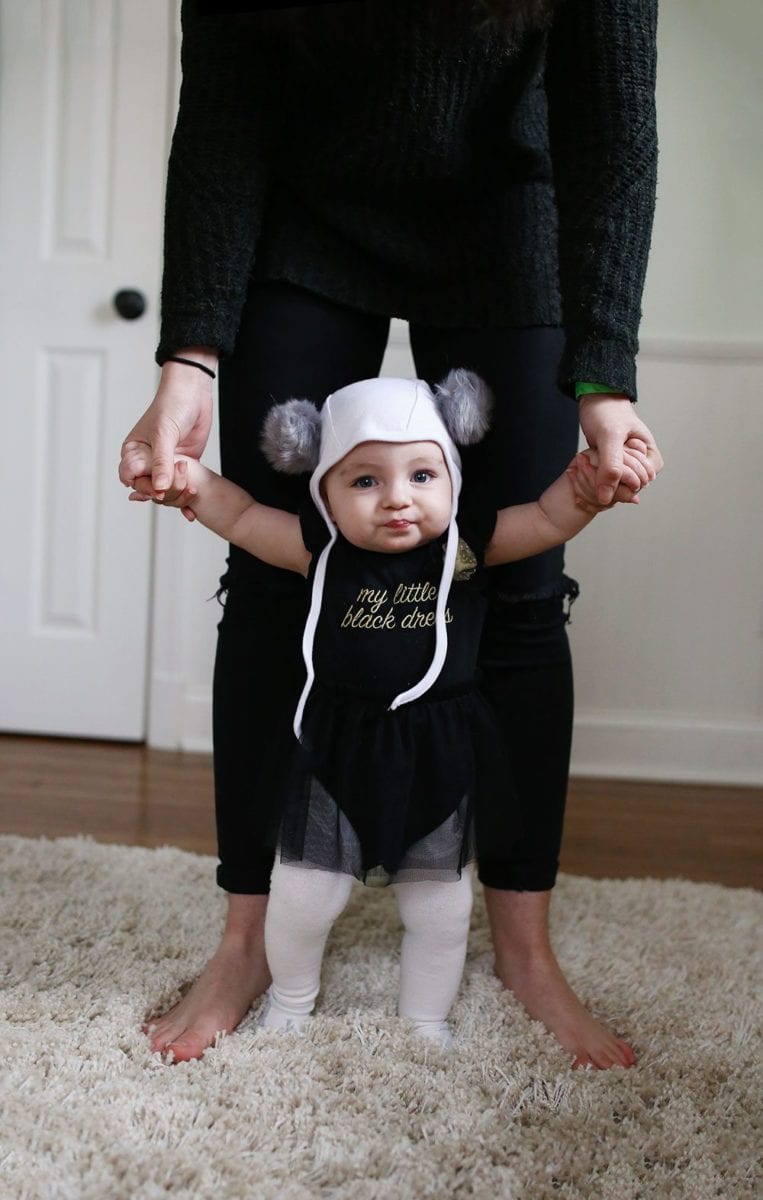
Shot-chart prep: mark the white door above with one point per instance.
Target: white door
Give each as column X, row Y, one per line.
column 83, row 143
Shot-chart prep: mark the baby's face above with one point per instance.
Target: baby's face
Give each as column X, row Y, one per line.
column 390, row 496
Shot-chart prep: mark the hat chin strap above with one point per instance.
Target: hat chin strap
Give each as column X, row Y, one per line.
column 311, row 624
column 441, row 631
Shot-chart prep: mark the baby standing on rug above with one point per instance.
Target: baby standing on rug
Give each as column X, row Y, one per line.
column 395, row 773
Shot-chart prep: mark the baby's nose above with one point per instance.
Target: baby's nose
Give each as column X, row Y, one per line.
column 398, row 494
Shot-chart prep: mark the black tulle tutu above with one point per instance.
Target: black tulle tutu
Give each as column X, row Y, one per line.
column 392, row 796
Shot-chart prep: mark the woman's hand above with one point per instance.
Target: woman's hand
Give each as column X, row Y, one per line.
column 178, row 421
column 609, row 423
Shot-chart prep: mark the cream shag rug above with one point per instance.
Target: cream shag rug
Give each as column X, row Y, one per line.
column 96, row 935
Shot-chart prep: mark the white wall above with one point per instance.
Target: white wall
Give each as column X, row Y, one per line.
column 706, row 267
column 667, row 634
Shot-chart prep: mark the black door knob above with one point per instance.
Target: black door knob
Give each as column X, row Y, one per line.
column 130, row 303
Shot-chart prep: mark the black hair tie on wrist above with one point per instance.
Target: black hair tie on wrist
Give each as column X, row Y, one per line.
column 190, row 362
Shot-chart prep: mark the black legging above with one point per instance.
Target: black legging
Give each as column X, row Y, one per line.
column 294, row 343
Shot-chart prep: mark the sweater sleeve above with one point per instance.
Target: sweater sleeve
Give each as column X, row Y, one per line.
column 216, row 180
column 600, row 85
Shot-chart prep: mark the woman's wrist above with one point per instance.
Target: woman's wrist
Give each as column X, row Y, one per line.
column 583, row 389
column 199, row 359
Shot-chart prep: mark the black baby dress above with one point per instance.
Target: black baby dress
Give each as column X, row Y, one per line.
column 412, row 793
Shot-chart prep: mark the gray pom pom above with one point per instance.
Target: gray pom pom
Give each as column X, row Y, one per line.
column 291, row 437
column 465, row 403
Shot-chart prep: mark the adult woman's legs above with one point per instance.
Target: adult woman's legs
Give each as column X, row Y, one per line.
column 526, row 663
column 291, row 343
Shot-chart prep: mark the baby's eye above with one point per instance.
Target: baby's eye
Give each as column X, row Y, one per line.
column 422, row 476
column 364, row 481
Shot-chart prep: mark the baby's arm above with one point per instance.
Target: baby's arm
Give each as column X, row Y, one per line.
column 526, row 529
column 565, row 508
column 268, row 533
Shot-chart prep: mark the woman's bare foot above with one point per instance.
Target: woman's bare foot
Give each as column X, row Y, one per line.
column 226, row 989
column 526, row 964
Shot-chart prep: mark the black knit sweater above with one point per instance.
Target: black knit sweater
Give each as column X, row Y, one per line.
column 408, row 161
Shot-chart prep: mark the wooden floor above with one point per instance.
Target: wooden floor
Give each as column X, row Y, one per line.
column 118, row 792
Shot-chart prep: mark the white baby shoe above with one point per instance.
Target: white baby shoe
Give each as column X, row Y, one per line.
column 275, row 1016
column 435, row 1031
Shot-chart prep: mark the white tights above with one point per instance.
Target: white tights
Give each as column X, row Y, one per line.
column 304, row 904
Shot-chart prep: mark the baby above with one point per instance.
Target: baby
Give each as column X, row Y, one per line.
column 394, row 772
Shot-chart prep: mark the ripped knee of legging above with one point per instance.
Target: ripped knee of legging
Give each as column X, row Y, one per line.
column 539, row 606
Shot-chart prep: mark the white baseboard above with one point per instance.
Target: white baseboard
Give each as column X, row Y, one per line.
column 633, row 746
column 165, row 728
column 196, row 734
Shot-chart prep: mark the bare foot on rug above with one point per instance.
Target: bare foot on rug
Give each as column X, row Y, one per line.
column 543, row 990
column 527, row 966
column 224, row 992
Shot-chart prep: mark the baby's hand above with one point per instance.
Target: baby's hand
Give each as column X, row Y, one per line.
column 178, row 495
column 638, row 473
column 582, row 475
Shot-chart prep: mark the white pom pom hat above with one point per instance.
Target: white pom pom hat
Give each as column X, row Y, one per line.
column 298, row 437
